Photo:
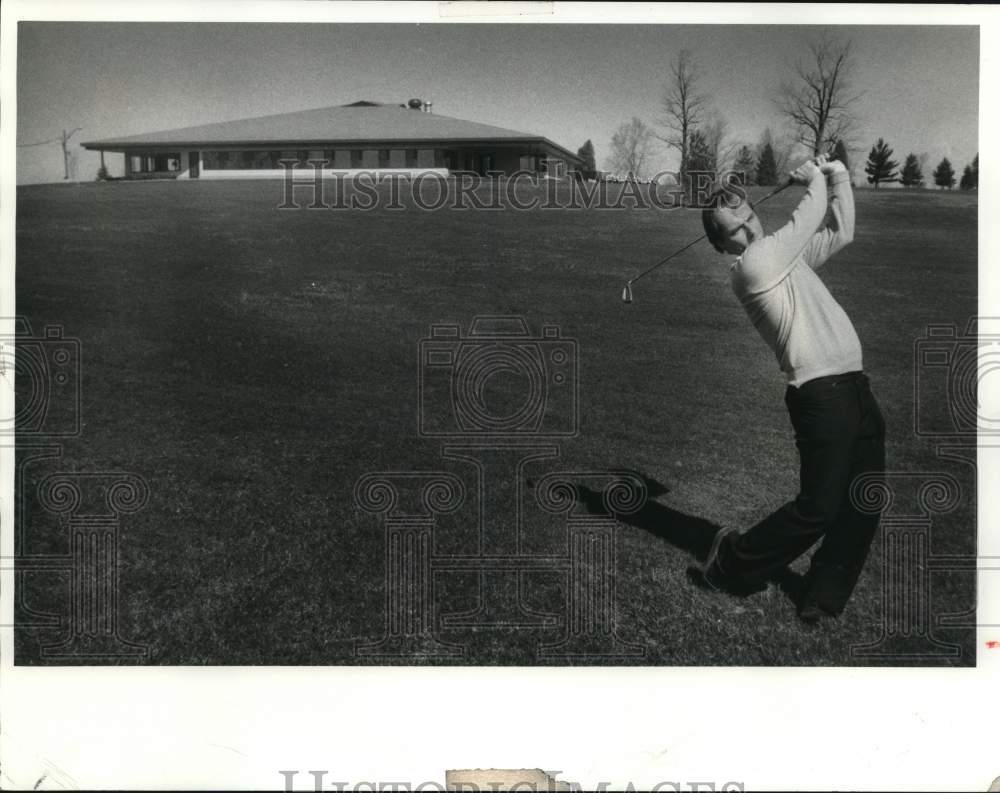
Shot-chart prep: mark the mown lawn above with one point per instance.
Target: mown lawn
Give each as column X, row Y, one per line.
column 252, row 364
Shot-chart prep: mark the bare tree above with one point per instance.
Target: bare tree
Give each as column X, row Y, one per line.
column 683, row 107
column 722, row 148
column 631, row 148
column 70, row 162
column 782, row 148
column 821, row 103
column 69, row 158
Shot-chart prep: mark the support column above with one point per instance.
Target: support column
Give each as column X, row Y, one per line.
column 906, row 539
column 409, row 630
column 93, row 619
column 592, row 523
column 499, row 561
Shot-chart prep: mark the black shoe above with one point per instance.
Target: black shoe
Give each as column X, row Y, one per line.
column 713, row 551
column 711, row 575
column 819, row 586
column 698, row 577
column 711, row 578
column 814, row 614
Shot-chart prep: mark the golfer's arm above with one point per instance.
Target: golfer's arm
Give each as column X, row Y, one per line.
column 842, row 207
column 767, row 263
column 840, row 229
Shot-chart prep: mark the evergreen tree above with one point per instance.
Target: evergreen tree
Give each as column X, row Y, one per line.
column 911, row 176
column 743, row 168
column 944, row 174
column 840, row 153
column 966, row 182
column 586, row 153
column 880, row 166
column 700, row 157
column 767, row 169
column 975, row 172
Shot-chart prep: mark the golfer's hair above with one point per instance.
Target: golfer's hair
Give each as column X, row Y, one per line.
column 726, row 197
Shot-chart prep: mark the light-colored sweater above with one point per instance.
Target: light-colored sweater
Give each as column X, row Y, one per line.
column 775, row 280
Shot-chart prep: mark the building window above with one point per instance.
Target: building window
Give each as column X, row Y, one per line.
column 411, row 158
column 357, row 158
column 210, row 160
column 235, row 160
column 383, row 158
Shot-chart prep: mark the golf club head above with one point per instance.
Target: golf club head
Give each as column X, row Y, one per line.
column 627, row 293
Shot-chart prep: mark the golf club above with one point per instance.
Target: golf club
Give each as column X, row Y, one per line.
column 627, row 291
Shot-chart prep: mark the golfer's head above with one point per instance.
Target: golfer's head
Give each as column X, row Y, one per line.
column 730, row 221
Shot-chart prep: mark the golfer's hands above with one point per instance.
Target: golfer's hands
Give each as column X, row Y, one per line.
column 806, row 172
column 829, row 167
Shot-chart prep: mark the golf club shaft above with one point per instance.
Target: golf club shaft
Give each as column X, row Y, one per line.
column 678, row 252
column 773, row 193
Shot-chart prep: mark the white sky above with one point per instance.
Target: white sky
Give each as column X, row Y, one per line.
column 567, row 82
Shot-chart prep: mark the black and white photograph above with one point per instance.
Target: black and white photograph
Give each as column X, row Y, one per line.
column 517, row 340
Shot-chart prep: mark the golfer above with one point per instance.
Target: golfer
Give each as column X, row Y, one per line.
column 839, row 429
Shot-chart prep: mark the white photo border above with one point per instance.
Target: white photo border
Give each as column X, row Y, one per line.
column 237, row 727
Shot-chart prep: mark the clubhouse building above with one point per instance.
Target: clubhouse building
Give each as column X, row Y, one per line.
column 359, row 137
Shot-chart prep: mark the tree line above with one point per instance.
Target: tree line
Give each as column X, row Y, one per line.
column 819, row 108
column 882, row 168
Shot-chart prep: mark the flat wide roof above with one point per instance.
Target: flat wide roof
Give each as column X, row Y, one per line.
column 354, row 123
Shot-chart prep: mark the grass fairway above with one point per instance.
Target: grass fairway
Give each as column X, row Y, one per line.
column 252, row 364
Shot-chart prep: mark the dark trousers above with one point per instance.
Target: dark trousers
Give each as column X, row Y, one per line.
column 840, row 433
